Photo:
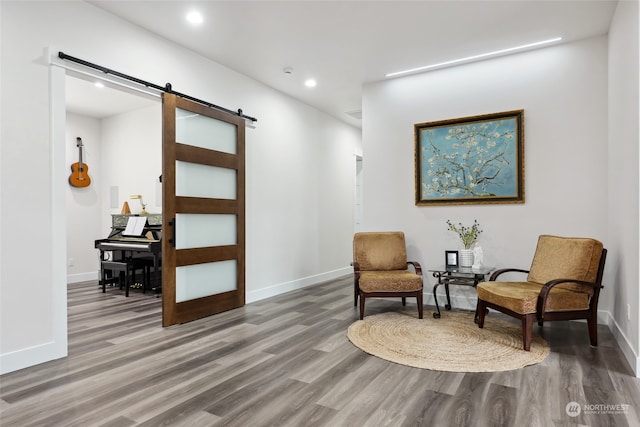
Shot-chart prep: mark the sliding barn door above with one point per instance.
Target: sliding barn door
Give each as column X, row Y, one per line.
column 203, row 211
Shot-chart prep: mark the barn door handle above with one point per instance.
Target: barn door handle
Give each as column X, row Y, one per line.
column 172, row 240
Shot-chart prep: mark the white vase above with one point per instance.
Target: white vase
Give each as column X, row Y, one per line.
column 466, row 257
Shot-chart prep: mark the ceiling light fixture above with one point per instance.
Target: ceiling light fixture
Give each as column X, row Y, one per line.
column 195, row 17
column 310, row 83
column 99, row 85
column 472, row 58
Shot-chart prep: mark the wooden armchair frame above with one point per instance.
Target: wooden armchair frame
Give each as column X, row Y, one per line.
column 382, row 255
column 541, row 315
column 357, row 293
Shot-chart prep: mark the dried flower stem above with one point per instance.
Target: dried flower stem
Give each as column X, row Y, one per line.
column 468, row 235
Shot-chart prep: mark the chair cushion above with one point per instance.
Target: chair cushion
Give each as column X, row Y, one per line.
column 566, row 258
column 390, row 281
column 522, row 297
column 380, row 250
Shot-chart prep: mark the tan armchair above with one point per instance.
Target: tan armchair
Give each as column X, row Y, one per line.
column 380, row 269
column 563, row 283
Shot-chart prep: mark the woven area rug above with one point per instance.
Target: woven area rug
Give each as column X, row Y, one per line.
column 453, row 343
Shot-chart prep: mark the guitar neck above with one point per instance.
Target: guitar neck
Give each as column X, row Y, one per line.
column 79, row 144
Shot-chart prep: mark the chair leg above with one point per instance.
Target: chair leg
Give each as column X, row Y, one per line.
column 420, row 308
column 404, row 301
column 527, row 331
column 481, row 311
column 592, row 324
column 355, row 294
column 475, row 315
column 362, row 298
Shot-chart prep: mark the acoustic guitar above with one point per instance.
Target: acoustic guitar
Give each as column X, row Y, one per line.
column 79, row 171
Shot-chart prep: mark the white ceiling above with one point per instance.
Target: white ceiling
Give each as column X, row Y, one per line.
column 83, row 97
column 345, row 44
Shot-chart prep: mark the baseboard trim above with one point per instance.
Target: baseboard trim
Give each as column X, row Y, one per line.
column 24, row 358
column 280, row 288
column 457, row 301
column 462, row 302
column 625, row 345
column 82, row 277
column 604, row 318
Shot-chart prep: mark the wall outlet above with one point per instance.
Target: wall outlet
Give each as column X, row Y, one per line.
column 71, row 262
column 628, row 311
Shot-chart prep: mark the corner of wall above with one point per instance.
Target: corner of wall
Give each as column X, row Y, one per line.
column 623, row 342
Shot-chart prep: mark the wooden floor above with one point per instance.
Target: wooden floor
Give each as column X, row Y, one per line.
column 286, row 361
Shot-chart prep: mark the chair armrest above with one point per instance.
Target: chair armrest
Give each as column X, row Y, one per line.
column 546, row 288
column 416, row 265
column 497, row 273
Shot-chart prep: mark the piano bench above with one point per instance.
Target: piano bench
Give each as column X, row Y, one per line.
column 124, row 267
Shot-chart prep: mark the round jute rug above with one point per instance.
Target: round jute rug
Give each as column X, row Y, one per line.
column 453, row 343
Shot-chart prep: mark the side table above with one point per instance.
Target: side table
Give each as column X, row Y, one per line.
column 465, row 276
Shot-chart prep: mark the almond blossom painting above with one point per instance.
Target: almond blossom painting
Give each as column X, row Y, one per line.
column 476, row 159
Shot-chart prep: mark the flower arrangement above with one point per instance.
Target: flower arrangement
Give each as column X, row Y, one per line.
column 468, row 235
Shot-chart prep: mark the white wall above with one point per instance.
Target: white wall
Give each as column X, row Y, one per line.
column 131, row 161
column 564, row 112
column 293, row 165
column 563, row 91
column 84, row 209
column 623, row 188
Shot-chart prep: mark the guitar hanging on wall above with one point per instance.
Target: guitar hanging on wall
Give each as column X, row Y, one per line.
column 79, row 171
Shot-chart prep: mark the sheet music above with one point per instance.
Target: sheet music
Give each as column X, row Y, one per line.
column 135, row 226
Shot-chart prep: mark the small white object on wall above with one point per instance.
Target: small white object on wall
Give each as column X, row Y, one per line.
column 114, row 191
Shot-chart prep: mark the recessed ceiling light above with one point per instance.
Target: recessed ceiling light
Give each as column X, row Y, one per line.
column 310, row 83
column 472, row 58
column 99, row 85
column 195, row 17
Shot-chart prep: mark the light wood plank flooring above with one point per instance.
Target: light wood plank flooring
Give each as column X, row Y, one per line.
column 286, row 361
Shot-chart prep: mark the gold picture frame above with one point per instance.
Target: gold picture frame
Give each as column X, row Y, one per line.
column 470, row 160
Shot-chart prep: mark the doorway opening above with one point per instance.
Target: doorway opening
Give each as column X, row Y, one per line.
column 121, row 137
column 142, row 141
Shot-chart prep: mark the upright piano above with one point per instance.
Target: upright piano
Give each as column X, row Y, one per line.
column 124, row 253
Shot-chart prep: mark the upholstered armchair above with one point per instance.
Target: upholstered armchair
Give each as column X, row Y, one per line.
column 381, row 269
column 563, row 283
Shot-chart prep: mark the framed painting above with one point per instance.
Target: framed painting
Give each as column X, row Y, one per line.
column 470, row 160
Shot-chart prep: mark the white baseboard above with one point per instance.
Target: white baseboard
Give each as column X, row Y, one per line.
column 604, row 318
column 82, row 277
column 625, row 345
column 460, row 302
column 24, row 358
column 280, row 288
column 32, row 356
column 469, row 302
